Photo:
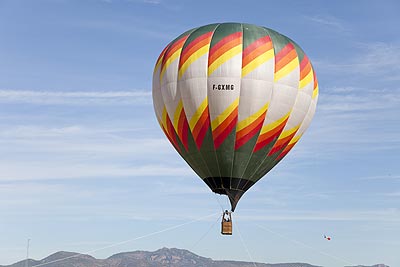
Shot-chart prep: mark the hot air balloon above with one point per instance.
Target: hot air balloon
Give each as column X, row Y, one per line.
column 233, row 99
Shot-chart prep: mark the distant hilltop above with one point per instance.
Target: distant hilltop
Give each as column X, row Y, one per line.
column 165, row 257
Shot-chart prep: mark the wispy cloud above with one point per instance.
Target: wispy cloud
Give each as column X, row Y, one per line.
column 386, row 215
column 124, row 26
column 376, row 59
column 328, row 21
column 51, row 170
column 74, row 98
column 75, row 151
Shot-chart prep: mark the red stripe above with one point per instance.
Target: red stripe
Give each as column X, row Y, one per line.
column 285, row 60
column 256, row 53
column 204, row 118
column 304, row 62
column 182, row 129
column 269, row 136
column 228, row 46
column 162, row 54
column 224, row 41
column 243, row 140
column 172, row 134
column 315, row 80
column 285, row 151
column 173, row 48
column 202, row 133
column 185, row 134
column 186, row 53
column 254, row 45
column 221, row 137
column 280, row 144
column 284, row 51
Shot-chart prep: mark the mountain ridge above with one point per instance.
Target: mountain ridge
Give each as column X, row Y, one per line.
column 164, row 257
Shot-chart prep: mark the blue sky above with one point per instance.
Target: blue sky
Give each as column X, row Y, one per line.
column 84, row 165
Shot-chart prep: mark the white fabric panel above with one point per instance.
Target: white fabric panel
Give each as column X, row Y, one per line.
column 256, row 90
column 158, row 101
column 193, row 86
column 169, row 89
column 228, row 73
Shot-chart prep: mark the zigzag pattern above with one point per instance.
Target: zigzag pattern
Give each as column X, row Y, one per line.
column 224, row 50
column 172, row 53
column 249, row 127
column 316, row 89
column 257, row 53
column 225, row 123
column 200, row 123
column 197, row 48
column 181, row 125
column 271, row 132
column 283, row 140
column 285, row 61
column 306, row 74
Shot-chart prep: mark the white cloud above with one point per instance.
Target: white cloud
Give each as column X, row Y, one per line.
column 74, row 98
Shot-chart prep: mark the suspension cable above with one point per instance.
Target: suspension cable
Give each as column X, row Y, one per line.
column 206, row 233
column 129, row 240
column 305, row 245
column 245, row 246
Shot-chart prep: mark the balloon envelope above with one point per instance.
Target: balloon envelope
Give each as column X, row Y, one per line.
column 233, row 99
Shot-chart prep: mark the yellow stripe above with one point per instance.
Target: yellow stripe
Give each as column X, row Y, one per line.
column 195, row 56
column 158, row 63
column 315, row 92
column 295, row 139
column 221, row 117
column 274, row 124
column 306, row 80
column 177, row 114
column 169, row 61
column 249, row 120
column 286, row 133
column 287, row 69
column 164, row 117
column 224, row 57
column 196, row 116
column 257, row 62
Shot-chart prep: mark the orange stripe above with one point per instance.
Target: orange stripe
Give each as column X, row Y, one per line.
column 195, row 45
column 199, row 125
column 241, row 139
column 286, row 150
column 284, row 51
column 315, row 81
column 175, row 47
column 250, row 127
column 226, row 47
column 304, row 68
column 259, row 42
column 225, row 123
column 273, row 132
column 183, row 129
column 224, row 41
column 221, row 138
column 285, row 60
column 256, row 53
column 181, row 121
column 281, row 143
column 202, row 133
column 160, row 57
column 171, row 132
